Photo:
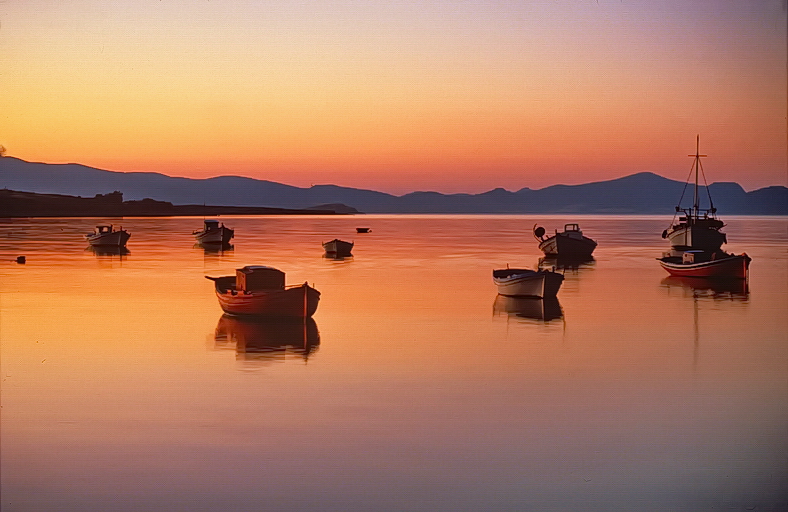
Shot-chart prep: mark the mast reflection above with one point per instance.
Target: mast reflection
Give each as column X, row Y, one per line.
column 268, row 339
column 534, row 309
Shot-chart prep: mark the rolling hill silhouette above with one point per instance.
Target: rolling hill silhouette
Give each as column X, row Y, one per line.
column 645, row 193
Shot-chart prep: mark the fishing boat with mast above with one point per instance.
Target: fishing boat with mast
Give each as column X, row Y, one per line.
column 696, row 239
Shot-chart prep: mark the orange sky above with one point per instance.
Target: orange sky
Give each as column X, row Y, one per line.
column 399, row 96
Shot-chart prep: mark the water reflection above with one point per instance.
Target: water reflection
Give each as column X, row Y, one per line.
column 337, row 257
column 561, row 263
column 108, row 250
column 541, row 310
column 214, row 248
column 734, row 289
column 268, row 340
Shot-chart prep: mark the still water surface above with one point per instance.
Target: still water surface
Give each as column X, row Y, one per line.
column 414, row 388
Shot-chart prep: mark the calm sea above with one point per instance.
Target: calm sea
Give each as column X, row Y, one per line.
column 415, row 388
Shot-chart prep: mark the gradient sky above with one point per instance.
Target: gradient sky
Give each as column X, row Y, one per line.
column 453, row 96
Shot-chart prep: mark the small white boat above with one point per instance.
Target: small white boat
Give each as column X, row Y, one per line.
column 338, row 247
column 518, row 282
column 214, row 233
column 107, row 235
column 570, row 243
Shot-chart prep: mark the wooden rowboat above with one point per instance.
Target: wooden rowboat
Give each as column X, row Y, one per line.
column 266, row 296
column 338, row 247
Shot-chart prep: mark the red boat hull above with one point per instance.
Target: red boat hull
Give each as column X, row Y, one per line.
column 298, row 301
column 734, row 266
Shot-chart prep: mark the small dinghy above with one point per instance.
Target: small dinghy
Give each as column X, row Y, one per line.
column 258, row 290
column 518, row 282
column 107, row 235
column 338, row 247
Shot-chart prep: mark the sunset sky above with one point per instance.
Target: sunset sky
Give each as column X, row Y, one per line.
column 452, row 96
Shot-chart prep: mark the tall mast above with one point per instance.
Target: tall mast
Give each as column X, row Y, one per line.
column 697, row 151
column 697, row 155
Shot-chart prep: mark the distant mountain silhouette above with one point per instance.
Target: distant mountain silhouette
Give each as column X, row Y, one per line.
column 644, row 192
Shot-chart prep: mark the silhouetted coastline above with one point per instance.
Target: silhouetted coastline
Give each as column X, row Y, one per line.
column 29, row 204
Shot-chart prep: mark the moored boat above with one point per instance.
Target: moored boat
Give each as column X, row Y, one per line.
column 363, row 230
column 107, row 235
column 338, row 247
column 703, row 264
column 569, row 243
column 518, row 282
column 214, row 233
column 258, row 290
column 696, row 239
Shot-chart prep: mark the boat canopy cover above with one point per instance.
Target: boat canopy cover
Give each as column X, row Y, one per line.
column 259, row 277
column 211, row 222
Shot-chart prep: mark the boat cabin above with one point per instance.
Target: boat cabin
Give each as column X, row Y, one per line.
column 691, row 256
column 259, row 277
column 103, row 230
column 571, row 227
column 211, row 224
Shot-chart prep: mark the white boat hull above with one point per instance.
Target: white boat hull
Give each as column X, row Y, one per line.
column 527, row 283
column 214, row 236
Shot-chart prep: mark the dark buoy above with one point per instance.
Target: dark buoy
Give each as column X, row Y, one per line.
column 20, row 259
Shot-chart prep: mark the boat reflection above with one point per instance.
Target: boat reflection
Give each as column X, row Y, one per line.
column 108, row 250
column 216, row 248
column 719, row 288
column 337, row 257
column 562, row 263
column 542, row 310
column 268, row 340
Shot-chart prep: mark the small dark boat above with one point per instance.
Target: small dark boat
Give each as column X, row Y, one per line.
column 258, row 290
column 107, row 235
column 570, row 243
column 518, row 282
column 338, row 247
column 363, row 230
column 214, row 233
column 696, row 239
